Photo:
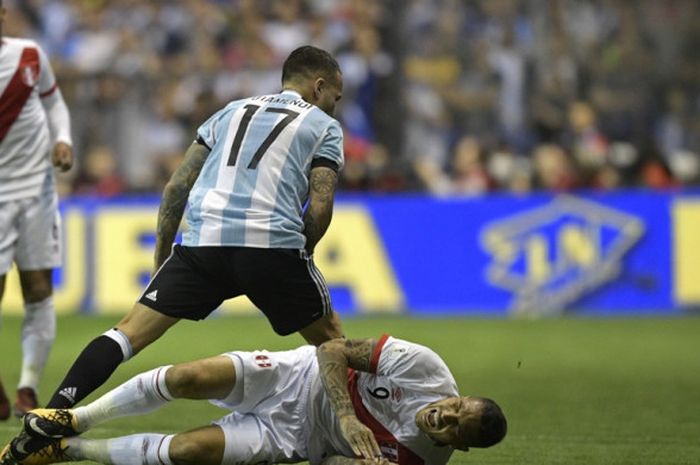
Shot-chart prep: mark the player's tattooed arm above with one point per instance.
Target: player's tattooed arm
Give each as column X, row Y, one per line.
column 174, row 200
column 318, row 214
column 334, row 359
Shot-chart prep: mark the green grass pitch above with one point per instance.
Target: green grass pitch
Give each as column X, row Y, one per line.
column 576, row 391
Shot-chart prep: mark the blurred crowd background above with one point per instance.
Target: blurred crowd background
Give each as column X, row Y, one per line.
column 453, row 97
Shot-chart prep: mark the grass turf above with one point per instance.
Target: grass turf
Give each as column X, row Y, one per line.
column 575, row 391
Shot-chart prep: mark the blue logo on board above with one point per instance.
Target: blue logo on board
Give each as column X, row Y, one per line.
column 551, row 256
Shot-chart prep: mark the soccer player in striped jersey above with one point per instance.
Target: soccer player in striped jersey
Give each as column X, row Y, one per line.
column 246, row 178
column 34, row 137
column 358, row 402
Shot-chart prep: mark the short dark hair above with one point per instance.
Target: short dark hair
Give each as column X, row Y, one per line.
column 493, row 423
column 308, row 60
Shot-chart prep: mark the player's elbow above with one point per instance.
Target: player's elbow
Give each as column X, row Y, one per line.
column 174, row 190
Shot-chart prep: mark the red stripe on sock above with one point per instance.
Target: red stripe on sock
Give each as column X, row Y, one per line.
column 158, row 391
column 158, row 450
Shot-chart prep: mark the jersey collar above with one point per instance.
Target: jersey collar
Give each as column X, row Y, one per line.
column 292, row 92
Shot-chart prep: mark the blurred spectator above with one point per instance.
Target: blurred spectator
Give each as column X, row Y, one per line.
column 588, row 144
column 469, row 176
column 607, row 93
column 655, row 173
column 98, row 174
column 553, row 169
column 673, row 130
column 510, row 172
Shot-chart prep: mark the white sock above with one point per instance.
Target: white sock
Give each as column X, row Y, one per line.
column 38, row 334
column 137, row 449
column 141, row 394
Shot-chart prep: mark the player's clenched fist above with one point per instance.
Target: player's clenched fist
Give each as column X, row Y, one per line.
column 62, row 156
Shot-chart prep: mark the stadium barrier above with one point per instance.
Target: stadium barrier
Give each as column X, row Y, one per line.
column 633, row 252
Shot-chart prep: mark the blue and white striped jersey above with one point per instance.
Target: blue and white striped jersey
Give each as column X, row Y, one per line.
column 255, row 181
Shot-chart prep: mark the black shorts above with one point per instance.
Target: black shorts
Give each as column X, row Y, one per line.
column 283, row 283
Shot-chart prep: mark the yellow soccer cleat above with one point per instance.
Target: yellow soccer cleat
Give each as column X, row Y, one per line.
column 50, row 423
column 53, row 452
column 6, row 457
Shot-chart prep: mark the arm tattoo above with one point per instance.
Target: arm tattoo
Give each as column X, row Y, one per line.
column 318, row 213
column 322, row 182
column 359, row 353
column 334, row 359
column 174, row 200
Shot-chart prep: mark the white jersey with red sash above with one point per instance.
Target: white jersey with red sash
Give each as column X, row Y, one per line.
column 404, row 378
column 25, row 77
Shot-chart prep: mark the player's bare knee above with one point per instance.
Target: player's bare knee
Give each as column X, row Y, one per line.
column 36, row 285
column 186, row 450
column 36, row 292
column 183, row 381
column 183, row 450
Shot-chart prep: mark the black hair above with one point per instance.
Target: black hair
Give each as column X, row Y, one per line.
column 307, row 61
column 493, row 423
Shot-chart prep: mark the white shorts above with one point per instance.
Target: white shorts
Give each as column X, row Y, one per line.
column 30, row 233
column 269, row 422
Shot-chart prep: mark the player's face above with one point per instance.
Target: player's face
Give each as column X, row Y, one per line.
column 454, row 421
column 328, row 94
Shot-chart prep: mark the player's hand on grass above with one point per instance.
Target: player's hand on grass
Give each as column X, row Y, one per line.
column 359, row 437
column 62, row 156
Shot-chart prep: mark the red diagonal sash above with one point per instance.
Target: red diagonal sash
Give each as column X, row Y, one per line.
column 392, row 449
column 18, row 89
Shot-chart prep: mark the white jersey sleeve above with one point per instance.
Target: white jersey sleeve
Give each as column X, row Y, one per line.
column 56, row 109
column 47, row 80
column 413, row 366
column 208, row 132
column 331, row 147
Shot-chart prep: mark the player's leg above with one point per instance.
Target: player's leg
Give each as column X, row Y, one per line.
column 253, row 437
column 179, row 289
column 4, row 402
column 210, row 378
column 8, row 238
column 38, row 334
column 325, row 328
column 290, row 290
column 37, row 253
column 328, row 326
column 203, row 446
column 102, row 355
